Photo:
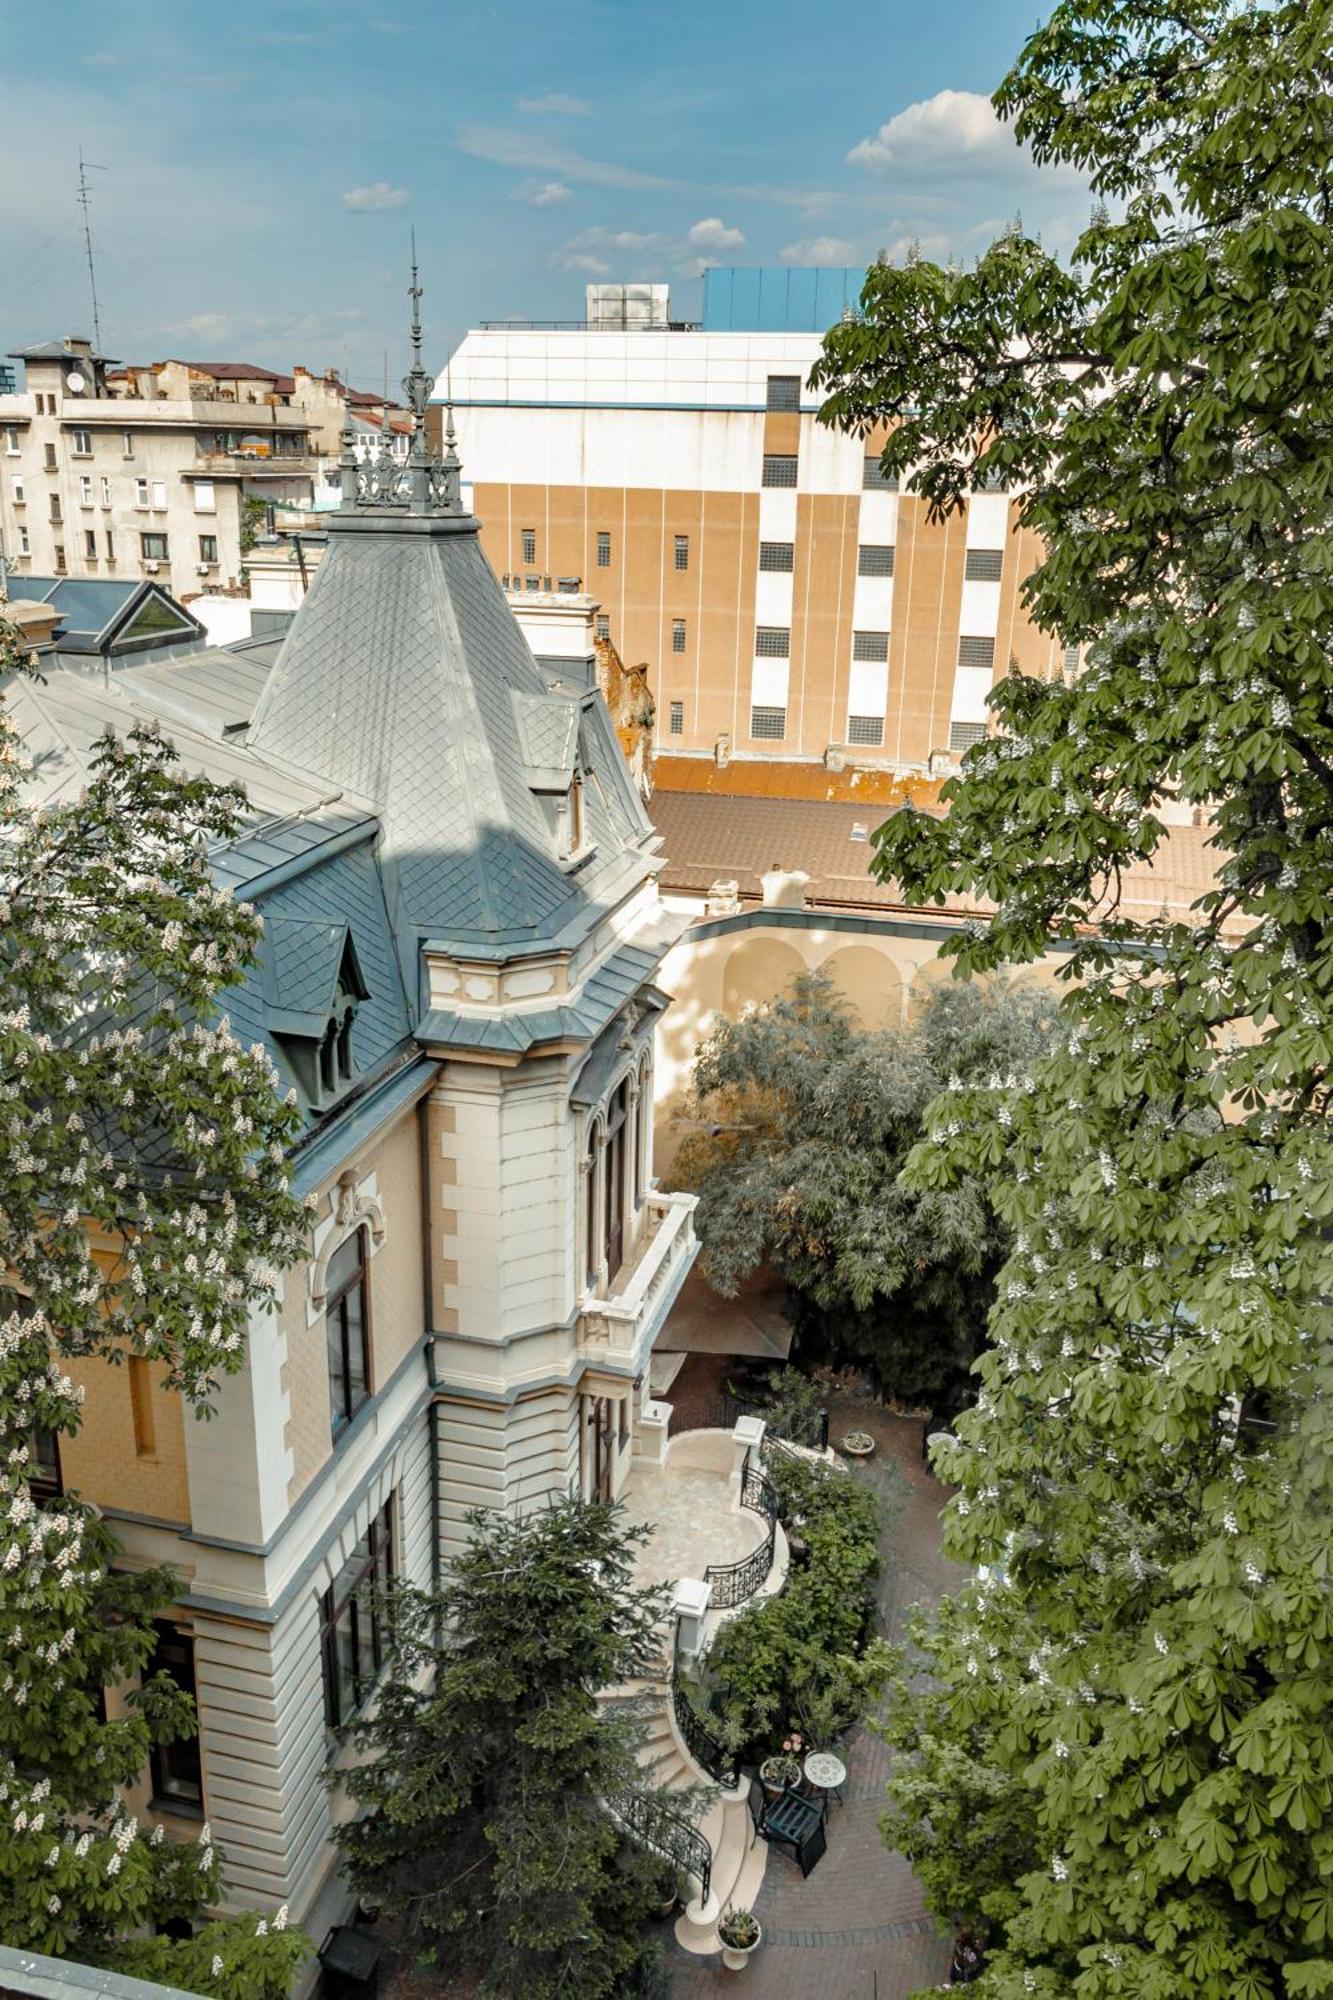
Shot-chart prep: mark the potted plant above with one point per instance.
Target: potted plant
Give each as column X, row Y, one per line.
column 739, row 1933
column 857, row 1444
column 784, row 1766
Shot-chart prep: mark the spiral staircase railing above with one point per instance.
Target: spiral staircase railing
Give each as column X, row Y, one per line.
column 735, row 1583
column 668, row 1834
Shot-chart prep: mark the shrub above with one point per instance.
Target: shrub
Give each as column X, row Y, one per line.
column 807, row 1657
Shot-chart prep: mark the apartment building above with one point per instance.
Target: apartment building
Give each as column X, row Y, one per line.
column 790, row 602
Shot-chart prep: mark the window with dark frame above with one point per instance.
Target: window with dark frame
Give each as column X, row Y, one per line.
column 682, row 556
column 153, row 548
column 678, row 635
column 876, row 480
column 983, row 565
column 529, row 545
column 603, row 549
column 870, row 646
column 676, row 721
column 865, row 729
column 874, row 559
column 352, row 1630
column 208, row 548
column 779, row 469
column 90, row 544
column 772, row 642
column 777, row 556
column 614, row 1178
column 176, row 1768
column 45, row 1481
column 347, row 1330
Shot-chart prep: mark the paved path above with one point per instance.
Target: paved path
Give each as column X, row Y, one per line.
column 857, row 1928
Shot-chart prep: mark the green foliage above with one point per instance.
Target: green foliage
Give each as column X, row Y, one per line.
column 812, row 1119
column 1148, row 1692
column 805, row 1659
column 792, row 1406
column 490, row 1760
column 167, row 1140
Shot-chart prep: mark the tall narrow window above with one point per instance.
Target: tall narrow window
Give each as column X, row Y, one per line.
column 347, row 1332
column 529, row 545
column 590, row 1207
column 106, row 491
column 676, row 723
column 159, row 493
column 352, row 1622
column 678, row 635
column 141, row 1406
column 81, row 444
column 177, row 1769
column 25, row 546
column 44, row 1476
column 208, row 548
column 54, row 499
column 682, row 551
column 90, row 544
column 603, row 550
column 60, row 558
column 127, row 444
column 49, row 457
column 11, row 442
column 85, row 491
column 613, row 1167
column 20, row 495
column 141, row 492
column 603, row 627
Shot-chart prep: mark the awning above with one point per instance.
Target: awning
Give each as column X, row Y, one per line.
column 750, row 1326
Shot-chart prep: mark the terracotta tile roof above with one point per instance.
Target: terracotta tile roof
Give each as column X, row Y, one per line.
column 709, row 837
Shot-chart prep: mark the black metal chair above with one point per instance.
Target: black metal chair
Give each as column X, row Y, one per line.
column 791, row 1821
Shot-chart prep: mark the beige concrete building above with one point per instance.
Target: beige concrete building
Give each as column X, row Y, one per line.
column 789, row 602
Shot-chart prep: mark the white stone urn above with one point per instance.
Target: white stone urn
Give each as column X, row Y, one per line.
column 737, row 1956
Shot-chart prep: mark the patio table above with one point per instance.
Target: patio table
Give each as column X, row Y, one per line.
column 827, row 1772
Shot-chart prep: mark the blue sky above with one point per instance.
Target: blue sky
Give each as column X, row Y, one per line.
column 263, row 165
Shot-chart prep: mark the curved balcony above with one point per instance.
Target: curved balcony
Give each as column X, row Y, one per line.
column 619, row 1330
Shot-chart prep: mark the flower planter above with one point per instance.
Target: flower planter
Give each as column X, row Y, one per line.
column 776, row 1773
column 857, row 1444
column 737, row 1956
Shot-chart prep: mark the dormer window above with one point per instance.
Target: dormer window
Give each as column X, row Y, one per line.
column 314, row 986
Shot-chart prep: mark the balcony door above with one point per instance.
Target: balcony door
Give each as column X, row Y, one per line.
column 602, row 1432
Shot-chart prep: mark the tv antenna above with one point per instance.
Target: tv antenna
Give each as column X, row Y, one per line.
column 84, row 191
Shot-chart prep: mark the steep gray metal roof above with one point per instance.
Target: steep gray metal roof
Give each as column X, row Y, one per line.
column 404, row 678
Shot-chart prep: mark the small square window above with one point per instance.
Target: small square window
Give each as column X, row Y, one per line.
column 874, row 559
column 682, row 551
column 865, row 729
column 973, row 652
column 603, row 550
column 962, row 735
column 777, row 556
column 676, row 722
column 870, row 646
column 784, row 392
column 875, row 479
column 772, row 642
column 768, row 724
column 983, row 565
column 678, row 635
column 779, row 470
column 529, row 545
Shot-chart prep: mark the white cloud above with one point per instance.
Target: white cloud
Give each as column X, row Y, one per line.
column 820, row 250
column 953, row 129
column 206, row 326
column 510, row 148
column 555, row 103
column 714, row 234
column 378, row 194
column 582, row 260
column 599, row 251
column 543, row 194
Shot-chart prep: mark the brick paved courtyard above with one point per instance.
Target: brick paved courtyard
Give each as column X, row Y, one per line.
column 857, row 1928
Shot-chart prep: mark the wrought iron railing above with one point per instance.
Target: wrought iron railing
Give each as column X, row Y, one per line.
column 668, row 1834
column 699, row 1739
column 735, row 1583
column 808, row 1428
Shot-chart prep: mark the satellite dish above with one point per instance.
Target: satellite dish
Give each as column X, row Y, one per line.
column 75, row 383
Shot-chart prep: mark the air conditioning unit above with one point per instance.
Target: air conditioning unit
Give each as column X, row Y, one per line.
column 152, row 568
column 202, row 569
